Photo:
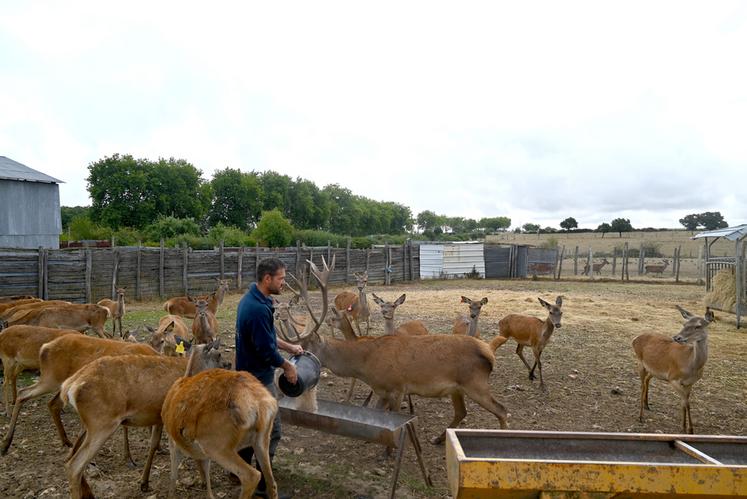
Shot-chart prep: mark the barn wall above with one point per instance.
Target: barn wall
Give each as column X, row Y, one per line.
column 29, row 214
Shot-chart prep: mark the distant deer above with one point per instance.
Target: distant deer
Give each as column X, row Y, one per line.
column 406, row 328
column 6, row 299
column 468, row 325
column 210, row 416
column 432, row 366
column 15, row 310
column 19, row 351
column 116, row 309
column 678, row 360
column 185, row 305
column 110, row 392
column 657, row 269
column 58, row 360
column 205, row 325
column 356, row 304
column 531, row 332
column 597, row 267
column 5, row 305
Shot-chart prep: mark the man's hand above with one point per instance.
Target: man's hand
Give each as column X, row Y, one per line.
column 295, row 349
column 290, row 372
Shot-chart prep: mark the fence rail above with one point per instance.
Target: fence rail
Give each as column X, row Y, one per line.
column 90, row 274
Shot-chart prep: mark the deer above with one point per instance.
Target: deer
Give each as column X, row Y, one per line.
column 530, row 332
column 678, row 360
column 6, row 299
column 116, row 310
column 431, row 366
column 468, row 325
column 356, row 304
column 205, row 325
column 128, row 390
column 81, row 317
column 19, row 351
column 213, row 414
column 5, row 305
column 657, row 269
column 596, row 267
column 58, row 360
column 185, row 305
column 10, row 312
column 411, row 328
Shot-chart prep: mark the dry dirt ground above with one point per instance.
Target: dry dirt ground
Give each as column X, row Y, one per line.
column 589, row 370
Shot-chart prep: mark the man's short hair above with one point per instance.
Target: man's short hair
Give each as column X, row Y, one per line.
column 269, row 266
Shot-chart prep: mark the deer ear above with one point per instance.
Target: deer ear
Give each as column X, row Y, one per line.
column 465, row 300
column 559, row 301
column 378, row 300
column 400, row 300
column 685, row 314
column 709, row 315
column 484, row 300
column 544, row 303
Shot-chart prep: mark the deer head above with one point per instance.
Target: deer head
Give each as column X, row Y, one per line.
column 361, row 280
column 694, row 328
column 302, row 294
column 388, row 307
column 206, row 356
column 554, row 310
column 474, row 306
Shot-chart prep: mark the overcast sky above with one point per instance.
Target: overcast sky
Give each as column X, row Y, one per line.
column 533, row 110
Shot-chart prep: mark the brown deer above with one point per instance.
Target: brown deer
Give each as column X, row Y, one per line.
column 596, row 267
column 210, row 416
column 468, row 325
column 205, row 325
column 126, row 390
column 406, row 328
column 80, row 317
column 431, row 366
column 11, row 312
column 356, row 304
column 657, row 269
column 6, row 299
column 531, row 332
column 116, row 310
column 5, row 305
column 19, row 351
column 58, row 360
column 185, row 305
column 678, row 360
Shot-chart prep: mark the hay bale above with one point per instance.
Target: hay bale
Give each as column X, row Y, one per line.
column 723, row 296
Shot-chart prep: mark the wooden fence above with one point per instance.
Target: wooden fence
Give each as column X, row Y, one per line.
column 90, row 274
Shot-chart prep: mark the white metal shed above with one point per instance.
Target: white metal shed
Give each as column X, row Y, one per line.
column 451, row 260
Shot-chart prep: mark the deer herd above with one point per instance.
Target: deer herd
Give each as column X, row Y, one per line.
column 211, row 412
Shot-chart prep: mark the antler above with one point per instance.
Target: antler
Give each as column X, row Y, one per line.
column 322, row 278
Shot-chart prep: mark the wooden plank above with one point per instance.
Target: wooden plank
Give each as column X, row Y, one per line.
column 185, row 270
column 347, row 262
column 238, row 270
column 89, row 272
column 115, row 269
column 138, row 291
column 222, row 256
column 256, row 260
column 161, row 273
column 575, row 261
column 40, row 273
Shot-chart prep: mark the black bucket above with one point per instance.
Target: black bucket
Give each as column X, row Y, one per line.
column 308, row 368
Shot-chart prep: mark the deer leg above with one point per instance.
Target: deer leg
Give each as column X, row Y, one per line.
column 412, row 406
column 155, row 438
column 176, row 459
column 647, row 382
column 76, row 445
column 24, row 394
column 127, row 456
column 248, row 475
column 460, row 412
column 499, row 340
column 353, row 381
column 55, row 409
column 10, row 376
column 264, row 460
column 77, row 463
column 644, row 389
column 368, row 398
column 519, row 349
column 203, row 466
column 687, row 422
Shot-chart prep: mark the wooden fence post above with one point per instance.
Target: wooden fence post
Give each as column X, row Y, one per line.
column 222, row 263
column 387, row 277
column 404, row 264
column 575, row 261
column 138, row 291
column 256, row 259
column 185, row 268
column 238, row 270
column 40, row 273
column 641, row 259
column 412, row 272
column 298, row 257
column 591, row 265
column 347, row 262
column 560, row 262
column 627, row 262
column 89, row 272
column 368, row 258
column 614, row 261
column 329, row 251
column 161, row 273
column 115, row 271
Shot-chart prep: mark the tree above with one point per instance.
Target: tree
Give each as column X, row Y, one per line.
column 604, row 228
column 690, row 222
column 273, row 230
column 119, row 190
column 427, row 220
column 68, row 213
column 493, row 224
column 712, row 220
column 530, row 227
column 569, row 223
column 169, row 227
column 276, row 191
column 236, row 199
column 176, row 189
column 621, row 225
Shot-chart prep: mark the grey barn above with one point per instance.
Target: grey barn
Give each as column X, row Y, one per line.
column 29, row 207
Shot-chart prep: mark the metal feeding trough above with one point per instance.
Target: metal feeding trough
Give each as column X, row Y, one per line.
column 501, row 463
column 362, row 423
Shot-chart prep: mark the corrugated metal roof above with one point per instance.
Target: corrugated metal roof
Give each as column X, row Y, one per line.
column 13, row 170
column 730, row 233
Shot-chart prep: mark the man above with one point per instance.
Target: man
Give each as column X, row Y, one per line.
column 257, row 344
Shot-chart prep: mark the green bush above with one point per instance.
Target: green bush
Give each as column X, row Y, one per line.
column 170, row 227
column 310, row 237
column 82, row 227
column 273, row 230
column 231, row 236
column 127, row 236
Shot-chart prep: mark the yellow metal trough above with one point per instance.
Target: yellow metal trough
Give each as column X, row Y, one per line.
column 503, row 463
